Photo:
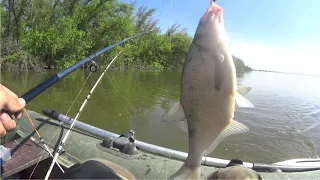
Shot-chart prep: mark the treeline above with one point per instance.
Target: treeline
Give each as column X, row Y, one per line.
column 240, row 66
column 57, row 33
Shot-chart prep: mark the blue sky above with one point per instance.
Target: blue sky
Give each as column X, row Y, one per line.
column 282, row 35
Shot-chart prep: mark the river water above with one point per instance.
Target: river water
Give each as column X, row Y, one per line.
column 283, row 125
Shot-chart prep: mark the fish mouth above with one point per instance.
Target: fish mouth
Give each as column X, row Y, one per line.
column 213, row 12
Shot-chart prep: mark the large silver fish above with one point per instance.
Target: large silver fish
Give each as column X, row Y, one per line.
column 208, row 93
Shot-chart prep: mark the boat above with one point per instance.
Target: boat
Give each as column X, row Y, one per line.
column 22, row 154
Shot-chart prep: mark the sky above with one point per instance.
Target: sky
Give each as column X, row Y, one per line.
column 278, row 35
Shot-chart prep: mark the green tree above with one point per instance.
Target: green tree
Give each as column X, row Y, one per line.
column 55, row 33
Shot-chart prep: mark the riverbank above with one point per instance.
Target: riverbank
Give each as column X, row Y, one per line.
column 25, row 66
column 39, row 66
column 40, row 36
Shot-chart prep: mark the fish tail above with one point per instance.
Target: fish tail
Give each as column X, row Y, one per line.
column 234, row 127
column 187, row 173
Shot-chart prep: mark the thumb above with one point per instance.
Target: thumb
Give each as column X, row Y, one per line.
column 15, row 104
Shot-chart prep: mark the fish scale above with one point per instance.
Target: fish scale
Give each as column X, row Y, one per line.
column 208, row 93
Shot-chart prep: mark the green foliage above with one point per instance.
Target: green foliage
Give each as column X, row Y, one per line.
column 62, row 44
column 240, row 66
column 54, row 33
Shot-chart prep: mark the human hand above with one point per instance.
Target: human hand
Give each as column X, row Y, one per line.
column 10, row 102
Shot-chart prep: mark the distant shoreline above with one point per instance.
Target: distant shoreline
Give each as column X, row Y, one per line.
column 261, row 70
column 266, row 70
column 242, row 69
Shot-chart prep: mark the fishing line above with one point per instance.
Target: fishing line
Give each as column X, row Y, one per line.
column 129, row 100
column 161, row 8
column 170, row 38
column 165, row 157
column 125, row 97
column 61, row 124
column 76, row 118
column 41, row 140
column 72, row 67
column 78, row 93
column 37, row 90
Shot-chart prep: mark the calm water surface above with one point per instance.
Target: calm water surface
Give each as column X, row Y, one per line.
column 284, row 124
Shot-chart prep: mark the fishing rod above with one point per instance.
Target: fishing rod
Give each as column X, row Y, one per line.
column 37, row 90
column 40, row 138
column 40, row 88
column 56, row 154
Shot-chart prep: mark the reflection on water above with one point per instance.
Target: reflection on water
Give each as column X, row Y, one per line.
column 282, row 126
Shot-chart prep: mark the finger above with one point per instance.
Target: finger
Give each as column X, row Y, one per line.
column 3, row 97
column 14, row 103
column 3, row 131
column 18, row 115
column 7, row 122
column 10, row 92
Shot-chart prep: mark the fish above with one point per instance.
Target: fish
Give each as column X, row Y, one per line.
column 208, row 93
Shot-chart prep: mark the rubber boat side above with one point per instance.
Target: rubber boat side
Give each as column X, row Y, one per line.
column 82, row 146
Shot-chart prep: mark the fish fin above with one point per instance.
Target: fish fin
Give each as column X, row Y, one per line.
column 242, row 101
column 187, row 173
column 218, row 73
column 175, row 114
column 244, row 90
column 234, row 127
column 183, row 125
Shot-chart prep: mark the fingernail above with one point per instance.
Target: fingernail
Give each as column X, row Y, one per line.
column 22, row 101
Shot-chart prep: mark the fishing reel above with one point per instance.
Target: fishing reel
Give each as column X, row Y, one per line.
column 93, row 66
column 130, row 42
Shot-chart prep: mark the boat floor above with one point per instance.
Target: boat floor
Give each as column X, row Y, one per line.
column 38, row 172
column 27, row 157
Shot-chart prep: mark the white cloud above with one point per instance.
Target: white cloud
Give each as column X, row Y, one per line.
column 300, row 59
